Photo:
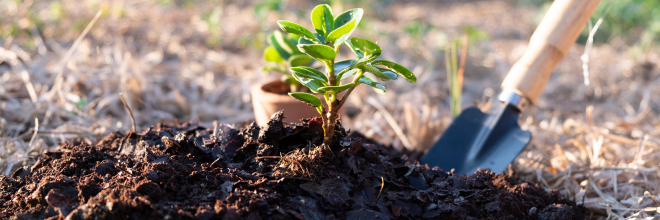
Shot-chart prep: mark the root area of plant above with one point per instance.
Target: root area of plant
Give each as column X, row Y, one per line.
column 282, row 171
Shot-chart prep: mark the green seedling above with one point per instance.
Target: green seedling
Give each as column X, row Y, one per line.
column 284, row 53
column 454, row 71
column 332, row 32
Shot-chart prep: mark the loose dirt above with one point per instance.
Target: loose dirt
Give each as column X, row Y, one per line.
column 185, row 171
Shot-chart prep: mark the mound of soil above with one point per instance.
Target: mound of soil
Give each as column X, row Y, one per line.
column 278, row 172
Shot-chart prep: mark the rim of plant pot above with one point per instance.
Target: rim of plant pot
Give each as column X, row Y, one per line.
column 275, row 92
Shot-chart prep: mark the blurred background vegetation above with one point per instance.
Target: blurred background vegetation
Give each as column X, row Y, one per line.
column 636, row 22
column 633, row 21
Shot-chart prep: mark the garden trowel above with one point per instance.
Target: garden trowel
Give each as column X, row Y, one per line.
column 492, row 141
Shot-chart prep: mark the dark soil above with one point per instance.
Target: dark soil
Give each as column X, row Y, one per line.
column 190, row 172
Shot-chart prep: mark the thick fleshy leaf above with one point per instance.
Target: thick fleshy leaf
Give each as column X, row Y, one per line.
column 320, row 37
column 340, row 35
column 389, row 73
column 309, row 99
column 355, row 50
column 398, row 69
column 312, row 84
column 304, row 41
column 341, row 66
column 308, row 72
column 286, row 41
column 376, row 72
column 379, row 88
column 319, row 52
column 290, row 80
column 370, row 49
column 271, row 55
column 322, row 19
column 283, row 49
column 344, row 25
column 300, row 60
column 297, row 29
column 335, row 89
column 348, row 74
column 274, row 68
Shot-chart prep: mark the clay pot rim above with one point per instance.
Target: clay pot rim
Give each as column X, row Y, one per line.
column 269, row 97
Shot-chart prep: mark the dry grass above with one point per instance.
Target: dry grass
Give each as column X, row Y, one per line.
column 599, row 144
column 305, row 163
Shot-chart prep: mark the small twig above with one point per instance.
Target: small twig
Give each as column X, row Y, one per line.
column 390, row 120
column 268, row 157
column 382, row 185
column 647, row 193
column 57, row 87
column 8, row 41
column 355, row 82
column 130, row 112
column 36, row 130
column 587, row 48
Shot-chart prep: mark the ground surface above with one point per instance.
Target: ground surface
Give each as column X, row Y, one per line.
column 187, row 171
column 177, row 60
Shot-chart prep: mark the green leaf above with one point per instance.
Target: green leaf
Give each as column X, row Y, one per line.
column 322, row 19
column 308, row 72
column 297, row 29
column 389, row 73
column 293, row 38
column 376, row 72
column 398, row 69
column 335, row 89
column 304, row 41
column 344, row 25
column 274, row 68
column 379, row 88
column 355, row 50
column 307, row 98
column 370, row 49
column 271, row 55
column 318, row 51
column 287, row 42
column 342, row 65
column 340, row 35
column 310, row 83
column 290, row 80
column 320, row 37
column 347, row 74
column 283, row 49
column 300, row 60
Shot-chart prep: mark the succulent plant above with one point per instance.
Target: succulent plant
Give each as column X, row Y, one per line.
column 332, row 32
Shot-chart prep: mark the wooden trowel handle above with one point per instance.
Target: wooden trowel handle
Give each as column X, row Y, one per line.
column 550, row 42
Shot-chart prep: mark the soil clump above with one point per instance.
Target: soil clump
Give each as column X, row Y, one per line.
column 282, row 171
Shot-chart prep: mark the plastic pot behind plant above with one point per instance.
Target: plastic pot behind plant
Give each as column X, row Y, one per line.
column 272, row 97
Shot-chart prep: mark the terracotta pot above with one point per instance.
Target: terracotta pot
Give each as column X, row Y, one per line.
column 272, row 97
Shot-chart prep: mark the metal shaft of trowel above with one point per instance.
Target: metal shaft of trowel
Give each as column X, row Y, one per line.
column 508, row 99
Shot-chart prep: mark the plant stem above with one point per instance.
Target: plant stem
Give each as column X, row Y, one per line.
column 355, row 84
column 331, row 73
column 335, row 106
column 330, row 119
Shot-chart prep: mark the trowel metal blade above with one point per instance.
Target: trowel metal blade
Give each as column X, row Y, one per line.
column 496, row 140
